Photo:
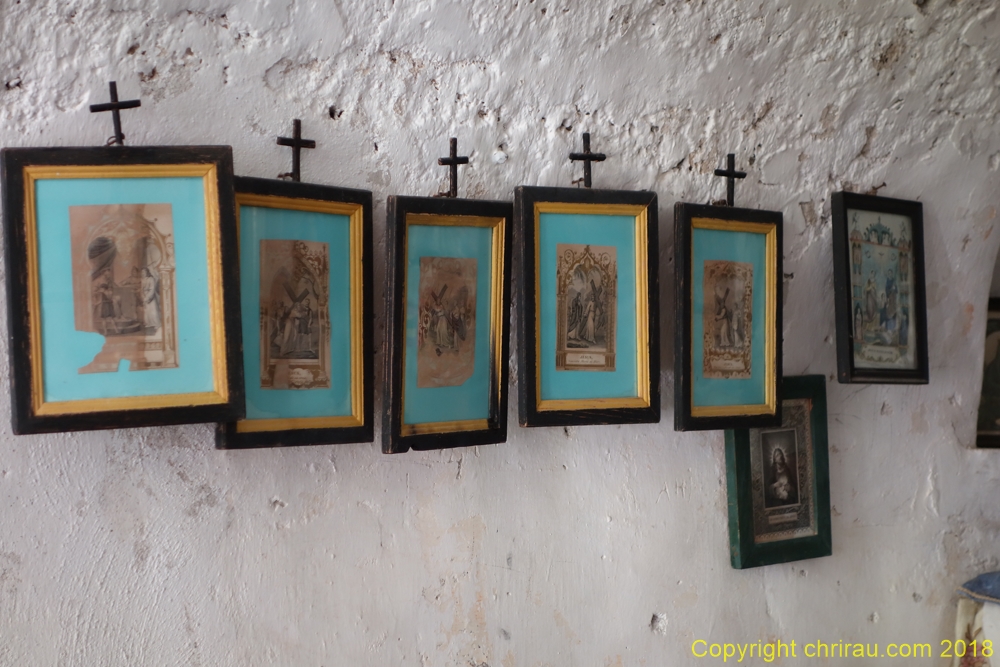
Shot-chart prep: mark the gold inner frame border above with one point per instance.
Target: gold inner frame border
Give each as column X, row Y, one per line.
column 355, row 213
column 770, row 231
column 641, row 399
column 496, row 314
column 217, row 325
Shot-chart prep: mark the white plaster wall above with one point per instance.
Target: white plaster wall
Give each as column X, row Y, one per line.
column 148, row 547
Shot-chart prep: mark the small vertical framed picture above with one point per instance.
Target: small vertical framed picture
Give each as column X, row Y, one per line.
column 123, row 309
column 988, row 421
column 305, row 286
column 778, row 482
column 588, row 306
column 727, row 367
column 447, row 323
column 878, row 280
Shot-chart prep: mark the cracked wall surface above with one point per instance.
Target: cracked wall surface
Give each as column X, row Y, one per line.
column 148, row 547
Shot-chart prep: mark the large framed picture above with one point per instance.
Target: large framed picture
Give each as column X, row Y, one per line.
column 305, row 288
column 588, row 306
column 878, row 280
column 727, row 360
column 778, row 481
column 447, row 323
column 988, row 421
column 122, row 310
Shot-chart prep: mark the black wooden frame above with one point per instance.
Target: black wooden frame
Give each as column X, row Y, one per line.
column 684, row 420
column 13, row 162
column 227, row 434
column 743, row 552
column 393, row 440
column 846, row 372
column 987, row 440
column 526, row 198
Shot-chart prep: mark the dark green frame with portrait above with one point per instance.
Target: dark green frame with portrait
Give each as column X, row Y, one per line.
column 744, row 553
column 988, row 439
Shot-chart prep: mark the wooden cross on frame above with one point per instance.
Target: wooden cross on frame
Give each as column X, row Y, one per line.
column 297, row 143
column 452, row 161
column 730, row 173
column 587, row 158
column 114, row 106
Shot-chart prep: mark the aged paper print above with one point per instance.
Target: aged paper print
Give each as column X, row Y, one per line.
column 728, row 309
column 446, row 326
column 123, row 284
column 781, row 476
column 294, row 314
column 586, row 307
column 882, row 298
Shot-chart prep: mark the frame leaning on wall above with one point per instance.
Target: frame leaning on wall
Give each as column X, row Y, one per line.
column 588, row 306
column 447, row 323
column 121, row 311
column 307, row 322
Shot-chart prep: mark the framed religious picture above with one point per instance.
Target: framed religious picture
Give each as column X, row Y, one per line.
column 305, row 288
column 447, row 323
column 878, row 280
column 121, row 309
column 727, row 368
column 588, row 306
column 778, row 481
column 988, row 421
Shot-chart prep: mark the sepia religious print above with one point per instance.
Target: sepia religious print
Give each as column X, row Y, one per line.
column 727, row 318
column 294, row 314
column 781, row 476
column 123, row 284
column 882, row 299
column 586, row 307
column 446, row 324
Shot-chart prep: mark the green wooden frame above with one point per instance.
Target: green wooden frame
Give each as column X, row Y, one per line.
column 744, row 551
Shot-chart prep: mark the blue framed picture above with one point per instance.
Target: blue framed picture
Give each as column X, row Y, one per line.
column 728, row 335
column 448, row 326
column 305, row 290
column 121, row 309
column 589, row 331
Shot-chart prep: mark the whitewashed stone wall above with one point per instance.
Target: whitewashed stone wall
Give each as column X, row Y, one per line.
column 148, row 547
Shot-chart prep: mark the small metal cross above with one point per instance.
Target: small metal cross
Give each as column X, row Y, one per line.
column 297, row 143
column 730, row 173
column 453, row 160
column 587, row 158
column 114, row 106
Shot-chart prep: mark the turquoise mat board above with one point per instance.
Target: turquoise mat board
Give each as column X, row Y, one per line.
column 713, row 244
column 64, row 349
column 471, row 399
column 595, row 230
column 258, row 223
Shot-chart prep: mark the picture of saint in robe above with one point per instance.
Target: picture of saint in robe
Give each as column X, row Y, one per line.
column 123, row 284
column 586, row 307
column 781, row 481
column 294, row 314
column 727, row 318
column 446, row 321
column 882, row 298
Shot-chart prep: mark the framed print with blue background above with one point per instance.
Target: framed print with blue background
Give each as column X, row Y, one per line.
column 121, row 309
column 878, row 289
column 778, row 482
column 447, row 323
column 305, row 288
column 727, row 345
column 588, row 315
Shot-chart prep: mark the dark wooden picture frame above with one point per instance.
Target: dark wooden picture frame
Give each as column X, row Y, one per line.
column 802, row 502
column 353, row 258
column 989, row 398
column 197, row 183
column 880, row 307
column 638, row 401
column 446, row 232
column 750, row 397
